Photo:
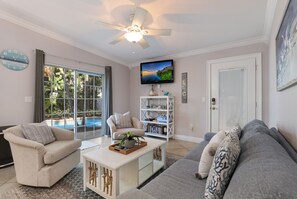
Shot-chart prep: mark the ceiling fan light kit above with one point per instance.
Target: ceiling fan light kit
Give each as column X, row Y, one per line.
column 135, row 32
column 133, row 36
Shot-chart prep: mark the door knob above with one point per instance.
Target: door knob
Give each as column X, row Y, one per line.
column 214, row 108
column 213, row 101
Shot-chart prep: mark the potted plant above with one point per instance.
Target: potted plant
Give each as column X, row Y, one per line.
column 129, row 140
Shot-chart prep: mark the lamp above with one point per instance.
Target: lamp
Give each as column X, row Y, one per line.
column 133, row 36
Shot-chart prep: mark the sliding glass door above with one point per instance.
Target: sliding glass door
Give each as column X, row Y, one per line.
column 73, row 100
column 88, row 104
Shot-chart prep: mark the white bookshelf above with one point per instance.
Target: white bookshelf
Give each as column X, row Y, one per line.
column 157, row 116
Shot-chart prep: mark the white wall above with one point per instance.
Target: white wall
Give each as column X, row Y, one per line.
column 15, row 85
column 282, row 105
column 194, row 112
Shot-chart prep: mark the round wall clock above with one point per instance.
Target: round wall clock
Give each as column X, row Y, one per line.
column 14, row 60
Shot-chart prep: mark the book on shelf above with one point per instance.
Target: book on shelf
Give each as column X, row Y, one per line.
column 157, row 129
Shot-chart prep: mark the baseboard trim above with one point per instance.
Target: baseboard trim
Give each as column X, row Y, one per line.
column 188, row 138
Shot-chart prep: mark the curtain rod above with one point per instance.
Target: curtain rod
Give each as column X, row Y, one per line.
column 80, row 62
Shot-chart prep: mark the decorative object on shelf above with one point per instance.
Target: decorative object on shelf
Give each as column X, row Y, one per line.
column 125, row 151
column 157, row 155
column 14, row 59
column 162, row 119
column 164, row 130
column 286, row 49
column 129, row 139
column 166, row 93
column 184, row 85
column 152, row 91
column 107, row 181
column 93, row 174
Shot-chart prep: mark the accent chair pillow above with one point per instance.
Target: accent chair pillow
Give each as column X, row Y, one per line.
column 39, row 132
column 123, row 120
column 208, row 154
column 223, row 166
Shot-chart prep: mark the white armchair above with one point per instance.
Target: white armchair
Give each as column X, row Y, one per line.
column 117, row 133
column 42, row 165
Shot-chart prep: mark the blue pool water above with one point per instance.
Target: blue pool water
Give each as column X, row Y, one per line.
column 90, row 122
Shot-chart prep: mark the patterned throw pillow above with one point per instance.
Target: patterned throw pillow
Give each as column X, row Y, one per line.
column 123, row 120
column 236, row 129
column 223, row 166
column 39, row 132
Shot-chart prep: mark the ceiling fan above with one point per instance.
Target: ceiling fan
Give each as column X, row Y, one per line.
column 135, row 32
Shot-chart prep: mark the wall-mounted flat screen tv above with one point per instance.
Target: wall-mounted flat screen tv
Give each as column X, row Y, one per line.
column 157, row 72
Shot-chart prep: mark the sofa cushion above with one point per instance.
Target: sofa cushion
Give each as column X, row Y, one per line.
column 119, row 133
column 253, row 128
column 57, row 150
column 176, row 182
column 135, row 194
column 223, row 166
column 282, row 140
column 39, row 132
column 264, row 170
column 123, row 120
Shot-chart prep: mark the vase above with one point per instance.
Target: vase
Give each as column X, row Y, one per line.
column 129, row 144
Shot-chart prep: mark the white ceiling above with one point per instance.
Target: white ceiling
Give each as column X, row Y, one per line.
column 195, row 24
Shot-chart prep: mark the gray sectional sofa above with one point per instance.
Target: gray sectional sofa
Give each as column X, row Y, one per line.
column 266, row 169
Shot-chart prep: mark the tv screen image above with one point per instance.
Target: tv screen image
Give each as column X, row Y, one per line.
column 157, row 72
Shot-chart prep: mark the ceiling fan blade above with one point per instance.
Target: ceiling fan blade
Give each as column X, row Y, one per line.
column 160, row 32
column 143, row 43
column 139, row 17
column 118, row 39
column 111, row 26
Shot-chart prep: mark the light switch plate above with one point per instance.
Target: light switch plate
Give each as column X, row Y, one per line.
column 28, row 99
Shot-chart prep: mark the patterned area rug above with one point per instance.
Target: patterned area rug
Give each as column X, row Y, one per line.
column 71, row 186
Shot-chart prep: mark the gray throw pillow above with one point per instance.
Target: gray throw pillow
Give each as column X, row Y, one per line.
column 123, row 120
column 223, row 166
column 39, row 132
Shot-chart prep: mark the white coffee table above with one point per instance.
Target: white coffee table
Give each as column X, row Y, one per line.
column 110, row 173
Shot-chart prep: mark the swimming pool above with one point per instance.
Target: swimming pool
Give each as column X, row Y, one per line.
column 69, row 123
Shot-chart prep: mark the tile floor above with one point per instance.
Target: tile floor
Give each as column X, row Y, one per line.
column 176, row 148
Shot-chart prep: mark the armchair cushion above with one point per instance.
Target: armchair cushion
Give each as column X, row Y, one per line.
column 38, row 132
column 123, row 120
column 58, row 150
column 119, row 133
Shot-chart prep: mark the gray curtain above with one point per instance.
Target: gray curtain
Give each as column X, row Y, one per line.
column 108, row 98
column 39, row 100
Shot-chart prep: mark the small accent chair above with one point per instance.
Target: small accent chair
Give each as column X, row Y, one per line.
column 43, row 165
column 117, row 133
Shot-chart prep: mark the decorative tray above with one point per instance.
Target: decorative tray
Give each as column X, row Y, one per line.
column 125, row 151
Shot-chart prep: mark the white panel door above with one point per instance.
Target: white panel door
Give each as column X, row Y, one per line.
column 232, row 93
